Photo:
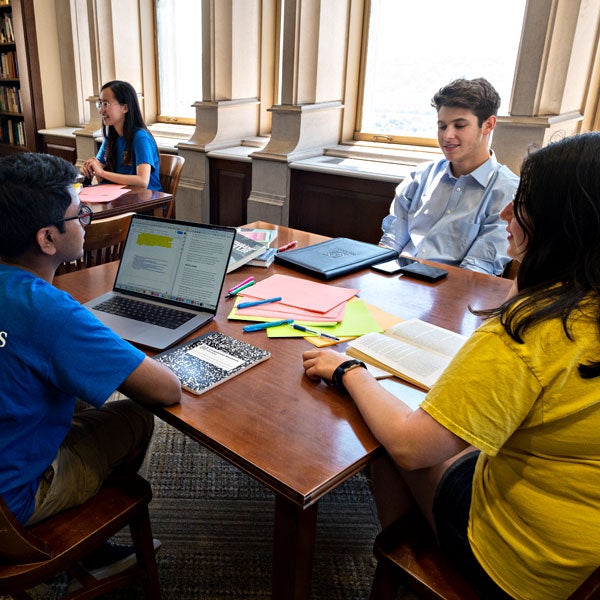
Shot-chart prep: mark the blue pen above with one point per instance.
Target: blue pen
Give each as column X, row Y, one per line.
column 307, row 330
column 259, row 326
column 257, row 302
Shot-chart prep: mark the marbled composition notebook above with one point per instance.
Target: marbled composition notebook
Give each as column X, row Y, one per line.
column 211, row 359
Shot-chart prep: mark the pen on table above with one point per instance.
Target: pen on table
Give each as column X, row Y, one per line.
column 258, row 302
column 237, row 285
column 307, row 330
column 259, row 326
column 237, row 290
column 286, row 246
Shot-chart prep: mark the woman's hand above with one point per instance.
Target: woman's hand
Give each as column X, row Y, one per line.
column 320, row 364
column 92, row 168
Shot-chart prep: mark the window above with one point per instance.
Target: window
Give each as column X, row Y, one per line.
column 179, row 51
column 417, row 46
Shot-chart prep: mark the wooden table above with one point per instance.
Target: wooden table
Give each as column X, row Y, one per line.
column 299, row 437
column 138, row 200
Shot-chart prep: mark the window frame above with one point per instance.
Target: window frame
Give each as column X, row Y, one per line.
column 160, row 117
column 386, row 138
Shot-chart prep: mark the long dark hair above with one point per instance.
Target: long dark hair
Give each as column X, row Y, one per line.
column 557, row 205
column 125, row 94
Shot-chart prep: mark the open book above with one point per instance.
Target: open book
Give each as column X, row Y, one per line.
column 210, row 359
column 413, row 350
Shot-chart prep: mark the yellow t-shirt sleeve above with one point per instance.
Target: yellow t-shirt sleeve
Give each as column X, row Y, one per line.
column 485, row 393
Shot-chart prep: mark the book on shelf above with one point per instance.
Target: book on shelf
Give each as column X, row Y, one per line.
column 210, row 359
column 334, row 257
column 265, row 259
column 413, row 350
column 243, row 251
column 262, row 236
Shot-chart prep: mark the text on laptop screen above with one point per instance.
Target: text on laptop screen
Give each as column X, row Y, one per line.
column 179, row 262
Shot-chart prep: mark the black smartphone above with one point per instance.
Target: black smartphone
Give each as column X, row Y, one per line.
column 393, row 266
column 411, row 268
column 424, row 272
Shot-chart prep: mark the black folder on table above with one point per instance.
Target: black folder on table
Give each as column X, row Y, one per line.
column 334, row 257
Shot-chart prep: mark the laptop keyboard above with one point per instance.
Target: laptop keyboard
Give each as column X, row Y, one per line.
column 163, row 316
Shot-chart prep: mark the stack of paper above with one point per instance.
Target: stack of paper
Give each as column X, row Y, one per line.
column 321, row 307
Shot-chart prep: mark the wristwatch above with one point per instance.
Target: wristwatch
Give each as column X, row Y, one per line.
column 339, row 373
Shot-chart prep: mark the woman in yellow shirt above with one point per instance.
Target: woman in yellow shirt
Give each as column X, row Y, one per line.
column 503, row 455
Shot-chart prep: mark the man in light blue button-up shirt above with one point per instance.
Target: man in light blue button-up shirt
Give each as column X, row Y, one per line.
column 448, row 211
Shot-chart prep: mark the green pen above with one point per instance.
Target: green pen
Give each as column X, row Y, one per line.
column 239, row 289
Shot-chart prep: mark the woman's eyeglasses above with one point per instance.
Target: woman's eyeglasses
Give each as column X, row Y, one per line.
column 84, row 215
column 103, row 104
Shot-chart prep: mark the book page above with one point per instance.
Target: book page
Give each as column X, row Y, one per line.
column 407, row 361
column 428, row 336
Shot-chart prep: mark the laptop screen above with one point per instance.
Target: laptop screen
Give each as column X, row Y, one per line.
column 179, row 262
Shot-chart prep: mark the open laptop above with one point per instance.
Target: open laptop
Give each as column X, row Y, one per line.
column 169, row 280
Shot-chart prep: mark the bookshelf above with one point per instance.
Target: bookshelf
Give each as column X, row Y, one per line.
column 21, row 112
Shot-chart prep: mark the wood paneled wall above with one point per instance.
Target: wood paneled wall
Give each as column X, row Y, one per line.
column 339, row 206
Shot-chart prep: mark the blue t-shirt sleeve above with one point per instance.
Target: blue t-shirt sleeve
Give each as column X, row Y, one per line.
column 101, row 153
column 145, row 152
column 88, row 359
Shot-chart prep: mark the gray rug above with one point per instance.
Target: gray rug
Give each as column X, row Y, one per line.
column 216, row 526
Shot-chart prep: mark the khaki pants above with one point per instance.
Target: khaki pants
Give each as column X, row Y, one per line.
column 100, row 441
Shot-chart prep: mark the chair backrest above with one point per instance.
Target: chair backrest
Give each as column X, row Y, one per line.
column 33, row 555
column 104, row 240
column 17, row 545
column 407, row 553
column 170, row 174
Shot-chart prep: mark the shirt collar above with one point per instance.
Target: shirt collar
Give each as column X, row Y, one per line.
column 482, row 173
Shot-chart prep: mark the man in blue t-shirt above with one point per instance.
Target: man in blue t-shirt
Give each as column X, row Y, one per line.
column 58, row 364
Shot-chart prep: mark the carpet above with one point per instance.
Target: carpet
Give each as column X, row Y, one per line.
column 216, row 526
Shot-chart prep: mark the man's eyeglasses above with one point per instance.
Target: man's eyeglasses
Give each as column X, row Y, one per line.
column 103, row 104
column 84, row 215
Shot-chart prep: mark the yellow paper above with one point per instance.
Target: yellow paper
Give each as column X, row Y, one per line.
column 357, row 321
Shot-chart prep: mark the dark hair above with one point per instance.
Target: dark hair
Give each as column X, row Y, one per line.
column 478, row 95
column 557, row 204
column 34, row 192
column 125, row 94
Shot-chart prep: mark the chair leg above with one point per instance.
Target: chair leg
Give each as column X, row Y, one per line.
column 141, row 535
column 385, row 584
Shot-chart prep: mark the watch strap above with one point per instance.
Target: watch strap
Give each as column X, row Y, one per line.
column 342, row 369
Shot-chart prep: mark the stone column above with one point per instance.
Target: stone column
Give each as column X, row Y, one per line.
column 551, row 80
column 309, row 116
column 229, row 110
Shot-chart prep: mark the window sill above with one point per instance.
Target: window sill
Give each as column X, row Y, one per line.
column 369, row 161
column 168, row 135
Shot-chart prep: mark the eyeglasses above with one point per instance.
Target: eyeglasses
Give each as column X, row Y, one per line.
column 103, row 104
column 84, row 215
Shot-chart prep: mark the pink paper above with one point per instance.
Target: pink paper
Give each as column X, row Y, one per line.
column 300, row 293
column 105, row 192
column 284, row 311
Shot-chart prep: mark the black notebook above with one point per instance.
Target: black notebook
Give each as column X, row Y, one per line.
column 211, row 359
column 334, row 257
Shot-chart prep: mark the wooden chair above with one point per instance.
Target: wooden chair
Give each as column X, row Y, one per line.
column 104, row 239
column 407, row 554
column 34, row 555
column 170, row 174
